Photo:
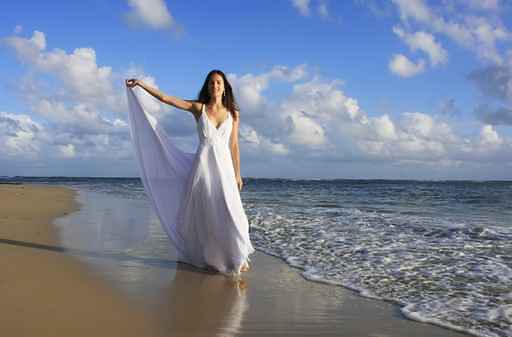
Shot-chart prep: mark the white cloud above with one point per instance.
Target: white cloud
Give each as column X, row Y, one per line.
column 425, row 42
column 322, row 99
column 415, row 136
column 79, row 118
column 22, row 138
column 318, row 116
column 79, row 109
column 39, row 40
column 153, row 13
column 67, row 151
column 258, row 112
column 323, row 11
column 413, row 8
column 249, row 88
column 304, row 130
column 378, row 8
column 249, row 135
column 424, row 127
column 302, row 6
column 256, row 142
column 402, row 66
column 418, row 124
column 471, row 31
column 492, row 5
column 384, row 128
column 20, row 135
column 84, row 80
column 276, row 148
column 27, row 49
column 489, row 136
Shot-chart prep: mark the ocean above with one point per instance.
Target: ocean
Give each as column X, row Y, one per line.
column 442, row 250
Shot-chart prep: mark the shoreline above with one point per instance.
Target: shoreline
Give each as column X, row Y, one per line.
column 363, row 294
column 165, row 295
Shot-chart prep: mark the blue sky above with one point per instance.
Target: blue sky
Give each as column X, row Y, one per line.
column 410, row 89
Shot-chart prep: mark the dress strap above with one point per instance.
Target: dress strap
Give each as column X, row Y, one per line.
column 202, row 111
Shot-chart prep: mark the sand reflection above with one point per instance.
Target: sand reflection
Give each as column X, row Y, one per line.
column 199, row 303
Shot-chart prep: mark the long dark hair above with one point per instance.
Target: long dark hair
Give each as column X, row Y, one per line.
column 228, row 100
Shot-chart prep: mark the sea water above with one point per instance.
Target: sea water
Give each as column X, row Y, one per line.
column 440, row 249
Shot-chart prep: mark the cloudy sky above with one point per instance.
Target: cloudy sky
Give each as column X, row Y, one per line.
column 410, row 89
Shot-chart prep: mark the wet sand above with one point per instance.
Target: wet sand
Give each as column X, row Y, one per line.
column 72, row 279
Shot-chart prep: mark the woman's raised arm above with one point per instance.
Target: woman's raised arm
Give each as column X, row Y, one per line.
column 192, row 106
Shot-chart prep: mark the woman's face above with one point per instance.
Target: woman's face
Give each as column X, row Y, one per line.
column 216, row 85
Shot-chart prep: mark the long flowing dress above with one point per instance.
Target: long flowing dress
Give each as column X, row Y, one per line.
column 194, row 195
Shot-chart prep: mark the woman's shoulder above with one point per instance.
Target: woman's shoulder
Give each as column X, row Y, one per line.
column 197, row 108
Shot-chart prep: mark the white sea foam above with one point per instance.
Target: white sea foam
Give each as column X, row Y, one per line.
column 449, row 274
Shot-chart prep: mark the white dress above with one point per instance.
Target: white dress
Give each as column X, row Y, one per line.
column 195, row 195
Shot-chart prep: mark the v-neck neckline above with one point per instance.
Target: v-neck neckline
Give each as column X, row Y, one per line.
column 209, row 121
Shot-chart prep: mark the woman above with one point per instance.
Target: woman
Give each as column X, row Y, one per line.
column 196, row 196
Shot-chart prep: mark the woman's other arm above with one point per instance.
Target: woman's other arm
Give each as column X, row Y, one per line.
column 235, row 151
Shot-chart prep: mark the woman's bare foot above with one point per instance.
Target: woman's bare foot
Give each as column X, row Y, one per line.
column 245, row 267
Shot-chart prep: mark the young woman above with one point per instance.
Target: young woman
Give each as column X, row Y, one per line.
column 196, row 196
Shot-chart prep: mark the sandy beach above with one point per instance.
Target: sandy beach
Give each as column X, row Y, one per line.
column 45, row 292
column 47, row 289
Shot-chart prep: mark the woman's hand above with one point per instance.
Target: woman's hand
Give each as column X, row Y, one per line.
column 239, row 182
column 132, row 82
